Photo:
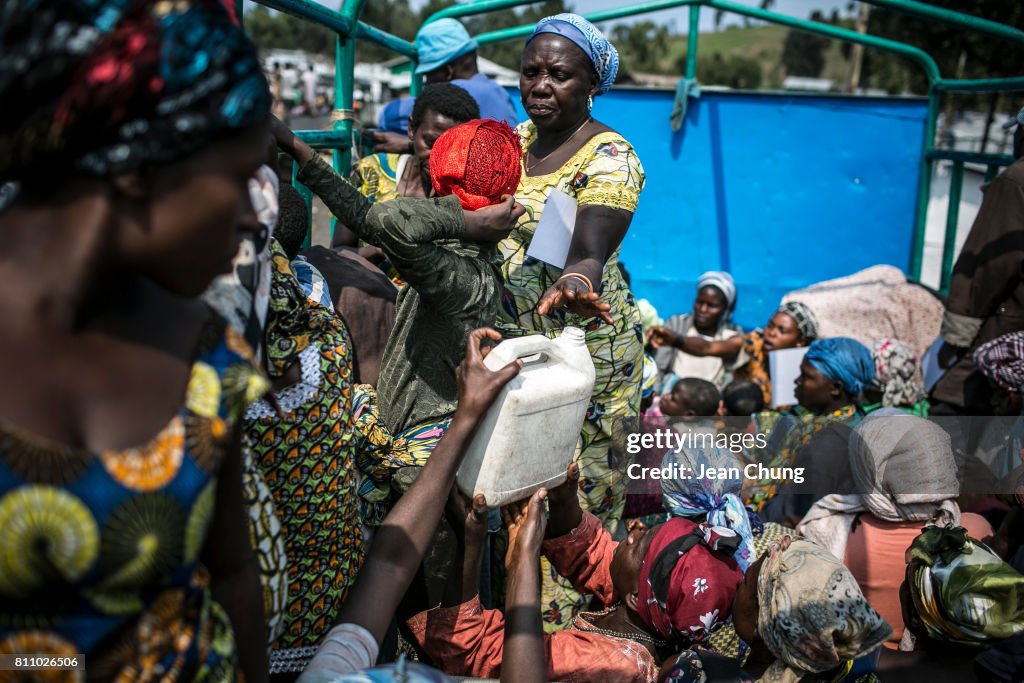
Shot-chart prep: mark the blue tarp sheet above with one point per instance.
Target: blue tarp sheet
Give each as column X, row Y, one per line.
column 782, row 190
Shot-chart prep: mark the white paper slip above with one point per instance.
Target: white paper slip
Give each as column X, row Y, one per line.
column 553, row 235
column 784, row 368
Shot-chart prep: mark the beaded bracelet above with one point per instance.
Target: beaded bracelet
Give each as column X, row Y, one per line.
column 581, row 277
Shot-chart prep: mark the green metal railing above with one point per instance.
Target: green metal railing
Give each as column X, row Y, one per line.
column 345, row 22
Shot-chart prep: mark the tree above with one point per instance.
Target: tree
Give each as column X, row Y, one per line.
column 641, row 45
column 733, row 71
column 803, row 53
column 279, row 30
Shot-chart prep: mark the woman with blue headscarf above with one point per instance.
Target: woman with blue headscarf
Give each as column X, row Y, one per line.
column 567, row 64
column 833, row 374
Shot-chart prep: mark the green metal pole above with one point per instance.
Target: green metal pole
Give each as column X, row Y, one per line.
column 991, row 172
column 924, row 188
column 956, row 184
column 466, row 9
column 314, row 12
column 693, row 33
column 958, row 19
column 981, row 85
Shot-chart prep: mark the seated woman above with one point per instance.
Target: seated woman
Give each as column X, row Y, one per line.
column 895, row 384
column 709, row 323
column 833, row 374
column 716, row 501
column 789, row 611
column 662, row 588
column 793, row 325
column 906, row 478
column 124, row 535
column 958, row 598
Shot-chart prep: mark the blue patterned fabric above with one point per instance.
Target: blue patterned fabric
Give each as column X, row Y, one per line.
column 587, row 37
column 312, row 282
column 718, row 498
column 844, row 360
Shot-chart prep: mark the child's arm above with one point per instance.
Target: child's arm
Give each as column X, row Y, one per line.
column 578, row 548
column 524, row 654
column 407, row 229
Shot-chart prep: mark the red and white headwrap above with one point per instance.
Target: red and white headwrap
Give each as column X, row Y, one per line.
column 688, row 580
column 477, row 161
column 1002, row 361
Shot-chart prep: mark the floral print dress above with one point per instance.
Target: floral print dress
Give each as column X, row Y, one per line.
column 99, row 551
column 604, row 172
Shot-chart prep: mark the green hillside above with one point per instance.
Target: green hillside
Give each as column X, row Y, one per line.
column 761, row 43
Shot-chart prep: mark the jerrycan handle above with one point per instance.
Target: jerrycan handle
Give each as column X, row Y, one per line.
column 513, row 349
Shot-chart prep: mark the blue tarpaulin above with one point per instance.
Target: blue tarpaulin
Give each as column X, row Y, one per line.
column 782, row 190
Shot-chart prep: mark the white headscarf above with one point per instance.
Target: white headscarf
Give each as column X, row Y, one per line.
column 722, row 281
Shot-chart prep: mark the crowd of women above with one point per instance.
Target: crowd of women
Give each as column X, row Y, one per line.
column 214, row 465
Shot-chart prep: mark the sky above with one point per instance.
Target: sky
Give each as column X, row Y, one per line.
column 797, row 8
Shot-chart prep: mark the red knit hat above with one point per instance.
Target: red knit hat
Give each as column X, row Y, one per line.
column 688, row 581
column 477, row 161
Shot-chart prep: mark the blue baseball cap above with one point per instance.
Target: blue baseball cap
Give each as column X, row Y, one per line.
column 395, row 115
column 440, row 42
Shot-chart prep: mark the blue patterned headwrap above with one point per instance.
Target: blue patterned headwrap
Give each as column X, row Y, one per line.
column 587, row 37
column 718, row 498
column 844, row 360
column 107, row 86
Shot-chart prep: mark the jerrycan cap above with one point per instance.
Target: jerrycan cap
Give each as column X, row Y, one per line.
column 574, row 335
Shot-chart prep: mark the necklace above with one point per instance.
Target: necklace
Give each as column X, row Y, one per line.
column 638, row 636
column 560, row 146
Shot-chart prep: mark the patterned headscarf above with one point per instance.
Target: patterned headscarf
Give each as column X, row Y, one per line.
column 650, row 377
column 804, row 317
column 717, row 498
column 242, row 297
column 478, row 162
column 903, row 471
column 1002, row 361
column 895, row 372
column 601, row 53
column 293, row 322
column 723, row 282
column 961, row 590
column 106, row 86
column 843, row 360
column 812, row 614
column 687, row 581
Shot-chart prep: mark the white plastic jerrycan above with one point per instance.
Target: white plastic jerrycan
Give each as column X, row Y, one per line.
column 528, row 437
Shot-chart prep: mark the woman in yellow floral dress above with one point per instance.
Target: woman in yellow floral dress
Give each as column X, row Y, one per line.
column 566, row 62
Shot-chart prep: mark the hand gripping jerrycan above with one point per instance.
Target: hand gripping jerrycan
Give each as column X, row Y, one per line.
column 528, row 437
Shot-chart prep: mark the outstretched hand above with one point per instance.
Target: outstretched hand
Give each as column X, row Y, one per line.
column 390, row 143
column 574, row 295
column 479, row 386
column 659, row 336
column 526, row 522
column 493, row 223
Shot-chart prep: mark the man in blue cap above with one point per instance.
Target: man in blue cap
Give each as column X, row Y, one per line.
column 446, row 52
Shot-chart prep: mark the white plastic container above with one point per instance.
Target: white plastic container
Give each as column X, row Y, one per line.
column 528, row 437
